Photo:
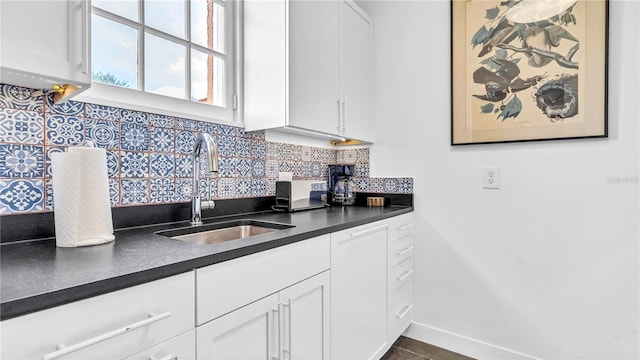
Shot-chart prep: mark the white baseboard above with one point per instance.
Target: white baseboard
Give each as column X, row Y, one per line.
column 461, row 344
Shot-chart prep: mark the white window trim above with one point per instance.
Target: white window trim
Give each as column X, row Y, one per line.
column 110, row 95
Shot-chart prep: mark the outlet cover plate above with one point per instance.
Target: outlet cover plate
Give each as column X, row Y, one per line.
column 491, row 178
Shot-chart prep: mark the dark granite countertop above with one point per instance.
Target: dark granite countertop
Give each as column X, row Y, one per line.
column 36, row 275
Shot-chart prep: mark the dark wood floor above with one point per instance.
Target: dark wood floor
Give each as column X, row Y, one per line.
column 409, row 349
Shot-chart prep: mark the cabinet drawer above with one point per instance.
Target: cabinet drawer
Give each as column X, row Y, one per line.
column 400, row 310
column 400, row 250
column 401, row 274
column 401, row 226
column 232, row 284
column 182, row 347
column 110, row 326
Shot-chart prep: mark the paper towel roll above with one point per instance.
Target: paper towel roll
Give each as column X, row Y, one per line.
column 82, row 209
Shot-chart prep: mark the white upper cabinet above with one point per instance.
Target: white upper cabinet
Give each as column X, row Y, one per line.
column 45, row 43
column 307, row 66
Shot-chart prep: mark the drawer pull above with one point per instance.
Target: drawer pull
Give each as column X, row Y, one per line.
column 64, row 350
column 405, row 275
column 405, row 227
column 168, row 357
column 402, row 252
column 405, row 311
column 369, row 231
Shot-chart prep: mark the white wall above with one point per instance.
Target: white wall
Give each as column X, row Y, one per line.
column 547, row 266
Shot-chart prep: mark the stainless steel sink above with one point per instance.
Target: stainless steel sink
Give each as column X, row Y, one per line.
column 223, row 231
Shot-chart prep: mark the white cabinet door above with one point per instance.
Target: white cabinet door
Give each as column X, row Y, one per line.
column 355, row 72
column 45, row 42
column 313, row 65
column 181, row 347
column 359, row 292
column 249, row 333
column 305, row 319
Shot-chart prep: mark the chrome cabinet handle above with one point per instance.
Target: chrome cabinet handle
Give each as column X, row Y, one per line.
column 344, row 118
column 168, row 357
column 405, row 275
column 64, row 350
column 277, row 313
column 287, row 349
column 402, row 252
column 405, row 311
column 339, row 127
column 405, row 227
column 86, row 39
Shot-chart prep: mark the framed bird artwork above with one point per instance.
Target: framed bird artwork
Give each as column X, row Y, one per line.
column 527, row 70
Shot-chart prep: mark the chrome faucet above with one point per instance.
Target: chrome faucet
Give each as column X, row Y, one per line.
column 204, row 140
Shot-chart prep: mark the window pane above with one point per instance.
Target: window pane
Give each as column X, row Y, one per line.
column 114, row 49
column 208, row 79
column 164, row 64
column 166, row 15
column 124, row 8
column 207, row 24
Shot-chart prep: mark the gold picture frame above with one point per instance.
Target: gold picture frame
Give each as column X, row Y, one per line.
column 528, row 70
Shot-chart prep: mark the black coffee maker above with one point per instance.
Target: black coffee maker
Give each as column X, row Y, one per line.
column 342, row 187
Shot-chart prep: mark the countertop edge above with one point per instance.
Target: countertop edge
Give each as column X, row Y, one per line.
column 27, row 305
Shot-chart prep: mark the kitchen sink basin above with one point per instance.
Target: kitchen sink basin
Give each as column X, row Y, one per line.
column 223, row 231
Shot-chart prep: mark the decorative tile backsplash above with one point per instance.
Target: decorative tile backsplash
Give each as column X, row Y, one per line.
column 149, row 155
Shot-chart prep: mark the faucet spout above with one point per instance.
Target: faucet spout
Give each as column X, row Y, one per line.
column 204, row 142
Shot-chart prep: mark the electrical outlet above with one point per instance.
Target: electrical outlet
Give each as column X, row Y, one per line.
column 491, row 178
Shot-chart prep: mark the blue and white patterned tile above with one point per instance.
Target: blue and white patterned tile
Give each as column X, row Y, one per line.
column 305, row 153
column 68, row 108
column 103, row 133
column 257, row 168
column 227, row 130
column 21, row 161
column 21, row 195
column 405, row 185
column 258, row 149
column 329, row 156
column 134, row 137
column 134, row 164
column 243, row 147
column 324, row 168
column 207, row 127
column 16, row 97
column 162, row 140
column 347, row 156
column 48, row 151
column 184, row 188
column 306, row 169
column 162, row 165
column 255, row 135
column 243, row 167
column 259, row 187
column 284, row 152
column 162, row 191
column 183, row 165
column 113, row 162
column 64, row 130
column 362, row 156
column 272, row 151
column 362, row 170
column 296, row 153
column 243, row 187
column 134, row 191
column 21, row 126
column 316, row 169
column 316, row 154
column 376, row 185
column 114, row 192
column 48, row 200
column 362, row 184
column 204, row 168
column 163, row 121
column 272, row 168
column 296, row 169
column 205, row 189
column 102, row 112
column 284, row 166
column 185, row 141
column 186, row 124
column 213, row 188
column 134, row 117
column 227, row 167
column 271, row 186
column 227, row 145
column 226, row 188
column 390, row 185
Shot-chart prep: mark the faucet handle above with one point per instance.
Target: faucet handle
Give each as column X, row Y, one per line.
column 208, row 205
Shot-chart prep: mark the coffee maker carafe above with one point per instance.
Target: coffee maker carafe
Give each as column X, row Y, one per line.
column 342, row 187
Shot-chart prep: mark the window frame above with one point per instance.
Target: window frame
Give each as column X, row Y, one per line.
column 134, row 99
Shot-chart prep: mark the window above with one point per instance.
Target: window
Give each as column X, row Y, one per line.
column 182, row 50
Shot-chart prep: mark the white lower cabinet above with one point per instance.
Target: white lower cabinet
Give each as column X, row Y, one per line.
column 401, row 274
column 182, row 347
column 111, row 326
column 359, row 292
column 291, row 324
